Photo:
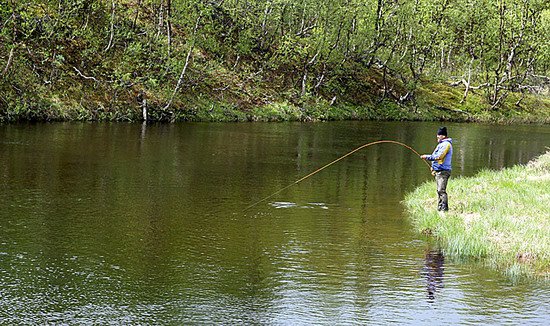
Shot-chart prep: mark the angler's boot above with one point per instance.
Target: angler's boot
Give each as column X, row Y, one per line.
column 444, row 203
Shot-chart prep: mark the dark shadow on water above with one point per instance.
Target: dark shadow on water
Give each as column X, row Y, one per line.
column 434, row 262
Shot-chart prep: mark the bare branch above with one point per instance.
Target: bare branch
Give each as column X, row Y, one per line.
column 305, row 30
column 83, row 76
column 545, row 78
column 10, row 60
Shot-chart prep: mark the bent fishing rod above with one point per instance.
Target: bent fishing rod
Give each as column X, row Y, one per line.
column 333, row 162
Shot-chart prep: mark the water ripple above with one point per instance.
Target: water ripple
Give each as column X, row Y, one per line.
column 283, row 204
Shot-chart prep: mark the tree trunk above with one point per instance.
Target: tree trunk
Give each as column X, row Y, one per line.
column 187, row 59
column 304, row 83
column 494, row 97
column 468, row 81
column 283, row 12
column 137, row 15
column 169, row 25
column 144, row 110
column 320, row 79
column 263, row 35
column 112, row 26
column 521, row 98
column 161, row 18
column 306, row 67
column 10, row 60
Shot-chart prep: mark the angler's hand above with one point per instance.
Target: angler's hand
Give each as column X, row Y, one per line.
column 424, row 157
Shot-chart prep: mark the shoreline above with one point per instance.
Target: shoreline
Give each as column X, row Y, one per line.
column 275, row 112
column 507, row 228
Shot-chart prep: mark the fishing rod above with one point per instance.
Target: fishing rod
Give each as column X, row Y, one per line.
column 333, row 162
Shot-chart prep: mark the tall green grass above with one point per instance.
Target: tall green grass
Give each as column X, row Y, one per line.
column 502, row 217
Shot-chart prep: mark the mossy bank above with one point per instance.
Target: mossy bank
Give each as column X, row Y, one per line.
column 501, row 217
column 429, row 106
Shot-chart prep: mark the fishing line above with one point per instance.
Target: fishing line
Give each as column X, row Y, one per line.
column 335, row 161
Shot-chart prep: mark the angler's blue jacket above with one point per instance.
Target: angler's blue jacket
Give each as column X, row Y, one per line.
column 442, row 155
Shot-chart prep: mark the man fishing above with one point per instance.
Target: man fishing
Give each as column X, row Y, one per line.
column 441, row 166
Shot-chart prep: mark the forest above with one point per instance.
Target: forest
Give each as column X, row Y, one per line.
column 274, row 60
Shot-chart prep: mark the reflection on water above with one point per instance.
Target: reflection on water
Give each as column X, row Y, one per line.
column 433, row 270
column 144, row 224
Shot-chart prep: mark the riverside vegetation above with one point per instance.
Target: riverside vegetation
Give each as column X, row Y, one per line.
column 234, row 60
column 502, row 216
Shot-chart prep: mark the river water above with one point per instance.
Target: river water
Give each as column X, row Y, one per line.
column 132, row 224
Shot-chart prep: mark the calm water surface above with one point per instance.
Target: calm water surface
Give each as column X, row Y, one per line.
column 131, row 224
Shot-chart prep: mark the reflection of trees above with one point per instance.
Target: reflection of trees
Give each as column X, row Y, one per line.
column 433, row 269
column 495, row 148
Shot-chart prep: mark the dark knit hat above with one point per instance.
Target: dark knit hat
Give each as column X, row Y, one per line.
column 442, row 131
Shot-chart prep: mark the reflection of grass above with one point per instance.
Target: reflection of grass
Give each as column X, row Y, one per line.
column 503, row 216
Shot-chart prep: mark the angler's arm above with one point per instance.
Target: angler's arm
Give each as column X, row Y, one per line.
column 439, row 153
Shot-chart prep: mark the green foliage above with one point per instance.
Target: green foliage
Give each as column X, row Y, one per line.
column 92, row 58
column 277, row 112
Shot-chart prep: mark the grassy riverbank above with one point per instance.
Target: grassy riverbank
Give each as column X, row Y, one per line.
column 500, row 216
